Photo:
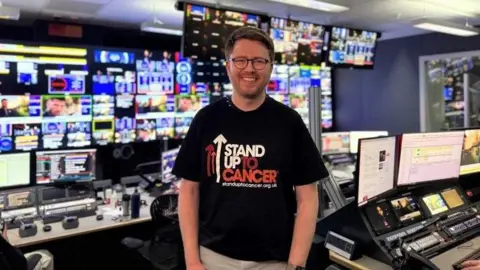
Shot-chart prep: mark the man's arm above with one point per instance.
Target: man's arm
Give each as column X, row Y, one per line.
column 188, row 216
column 305, row 223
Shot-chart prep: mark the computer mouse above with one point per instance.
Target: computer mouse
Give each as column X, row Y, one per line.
column 99, row 217
column 47, row 228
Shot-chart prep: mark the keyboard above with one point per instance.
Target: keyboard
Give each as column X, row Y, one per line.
column 475, row 255
column 56, row 212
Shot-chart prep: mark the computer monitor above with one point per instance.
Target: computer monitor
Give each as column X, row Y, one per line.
column 168, row 161
column 376, row 168
column 65, row 166
column 14, row 170
column 357, row 135
column 335, row 143
column 17, row 198
column 471, row 152
column 427, row 157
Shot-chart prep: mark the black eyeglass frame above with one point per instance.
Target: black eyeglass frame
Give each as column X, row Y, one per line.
column 248, row 60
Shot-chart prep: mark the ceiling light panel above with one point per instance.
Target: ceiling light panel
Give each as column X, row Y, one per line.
column 314, row 4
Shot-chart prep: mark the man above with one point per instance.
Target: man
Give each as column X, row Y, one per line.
column 248, row 163
column 55, row 107
column 5, row 111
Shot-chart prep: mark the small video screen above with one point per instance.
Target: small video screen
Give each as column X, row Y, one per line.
column 103, row 131
column 113, row 57
column 381, row 217
column 79, row 106
column 435, row 204
column 103, row 107
column 125, row 130
column 471, row 152
column 452, row 198
column 79, row 134
column 182, row 125
column 6, row 138
column 191, row 103
column 27, row 136
column 184, row 75
column 16, row 199
column 353, row 47
column 66, row 84
column 103, row 83
column 146, row 130
column 65, row 166
column 278, row 80
column 152, row 106
column 20, row 106
column 155, row 73
column 335, row 143
column 165, row 127
column 299, row 79
column 406, row 209
column 298, row 101
column 27, row 73
column 54, row 134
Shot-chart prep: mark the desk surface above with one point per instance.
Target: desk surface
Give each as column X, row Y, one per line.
column 87, row 225
column 445, row 260
column 364, row 263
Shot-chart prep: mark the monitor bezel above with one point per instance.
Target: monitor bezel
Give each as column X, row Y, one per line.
column 386, row 193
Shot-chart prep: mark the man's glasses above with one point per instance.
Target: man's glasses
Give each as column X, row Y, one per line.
column 257, row 63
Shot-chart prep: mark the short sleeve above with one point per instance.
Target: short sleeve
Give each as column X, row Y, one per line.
column 187, row 165
column 308, row 164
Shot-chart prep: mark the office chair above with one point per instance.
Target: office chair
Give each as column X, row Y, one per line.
column 164, row 251
column 13, row 259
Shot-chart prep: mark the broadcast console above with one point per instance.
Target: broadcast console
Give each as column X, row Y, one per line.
column 413, row 211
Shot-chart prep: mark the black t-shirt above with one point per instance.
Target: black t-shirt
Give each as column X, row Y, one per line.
column 247, row 164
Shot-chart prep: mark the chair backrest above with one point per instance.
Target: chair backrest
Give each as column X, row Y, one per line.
column 10, row 257
column 164, row 209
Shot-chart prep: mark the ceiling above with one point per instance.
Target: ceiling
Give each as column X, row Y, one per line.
column 394, row 18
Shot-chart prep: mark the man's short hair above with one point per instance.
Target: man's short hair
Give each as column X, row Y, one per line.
column 250, row 33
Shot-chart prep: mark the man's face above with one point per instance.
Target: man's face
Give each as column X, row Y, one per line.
column 56, row 107
column 248, row 82
column 4, row 104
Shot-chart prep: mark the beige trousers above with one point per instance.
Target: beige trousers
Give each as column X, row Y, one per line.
column 214, row 261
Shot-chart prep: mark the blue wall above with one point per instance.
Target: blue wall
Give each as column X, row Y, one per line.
column 387, row 97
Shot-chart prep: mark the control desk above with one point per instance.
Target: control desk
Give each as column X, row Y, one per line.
column 412, row 210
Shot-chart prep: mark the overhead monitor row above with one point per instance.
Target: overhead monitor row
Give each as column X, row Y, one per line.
column 387, row 163
column 296, row 42
column 60, row 166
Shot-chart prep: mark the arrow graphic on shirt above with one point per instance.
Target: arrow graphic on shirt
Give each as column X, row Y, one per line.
column 219, row 141
column 210, row 150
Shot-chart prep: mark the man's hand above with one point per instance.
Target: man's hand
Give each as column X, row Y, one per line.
column 196, row 266
column 471, row 265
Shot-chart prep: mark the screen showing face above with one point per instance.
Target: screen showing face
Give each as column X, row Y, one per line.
column 335, row 142
column 406, row 209
column 381, row 218
column 435, row 204
column 430, row 156
column 376, row 168
column 452, row 198
column 471, row 152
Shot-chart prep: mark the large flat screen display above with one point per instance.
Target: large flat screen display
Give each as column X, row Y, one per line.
column 206, row 30
column 297, row 42
column 352, row 48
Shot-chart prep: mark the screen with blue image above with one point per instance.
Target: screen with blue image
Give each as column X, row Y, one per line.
column 168, row 161
column 66, row 84
column 114, row 57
